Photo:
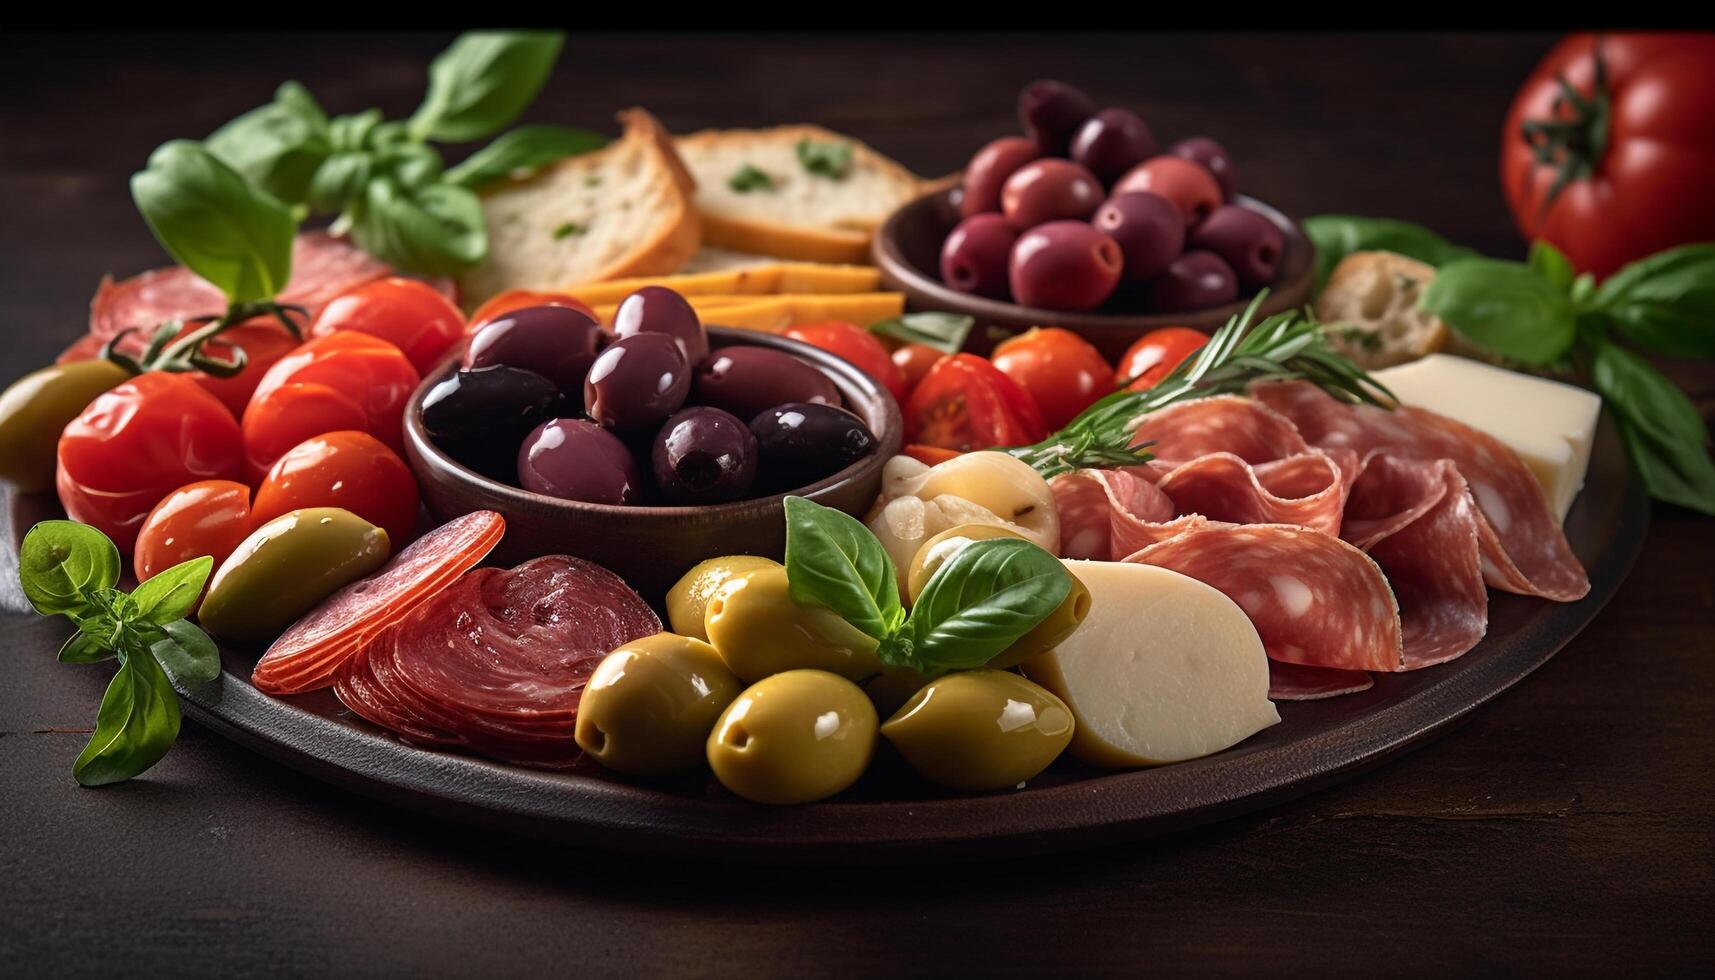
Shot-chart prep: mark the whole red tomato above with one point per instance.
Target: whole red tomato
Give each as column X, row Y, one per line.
column 855, row 344
column 914, row 362
column 208, row 517
column 1619, row 167
column 343, row 469
column 1154, row 354
column 1062, row 371
column 264, row 342
column 139, row 442
column 518, row 299
column 409, row 314
column 965, row 403
column 345, row 380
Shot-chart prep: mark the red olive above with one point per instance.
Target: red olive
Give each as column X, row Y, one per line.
column 990, row 168
column 1213, row 157
column 557, row 342
column 746, row 380
column 1249, row 242
column 975, row 254
column 657, row 309
column 1051, row 112
column 1195, row 281
column 637, row 381
column 1149, row 229
column 1111, row 142
column 578, row 460
column 1184, row 183
column 1064, row 265
column 1049, row 190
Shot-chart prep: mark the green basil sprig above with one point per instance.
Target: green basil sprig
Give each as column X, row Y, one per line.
column 945, row 332
column 975, row 605
column 70, row 569
column 482, row 82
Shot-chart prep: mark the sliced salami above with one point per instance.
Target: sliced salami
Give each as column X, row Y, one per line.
column 1295, row 682
column 1105, row 514
column 1222, row 424
column 1307, row 489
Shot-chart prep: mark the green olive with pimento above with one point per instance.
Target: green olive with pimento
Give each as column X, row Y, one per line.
column 651, row 703
column 285, row 567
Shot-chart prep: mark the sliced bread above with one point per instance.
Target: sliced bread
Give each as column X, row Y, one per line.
column 624, row 210
column 1371, row 314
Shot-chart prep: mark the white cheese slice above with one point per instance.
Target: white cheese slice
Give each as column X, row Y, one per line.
column 1549, row 424
column 1163, row 669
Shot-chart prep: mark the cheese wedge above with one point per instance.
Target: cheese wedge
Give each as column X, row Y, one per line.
column 1549, row 424
column 759, row 280
column 1163, row 669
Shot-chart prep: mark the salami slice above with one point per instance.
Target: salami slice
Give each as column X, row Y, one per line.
column 1108, row 513
column 1295, row 682
column 305, row 657
column 1222, row 424
column 1308, row 489
column 496, row 664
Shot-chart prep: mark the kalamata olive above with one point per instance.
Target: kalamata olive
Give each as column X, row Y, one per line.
column 1249, row 242
column 703, row 455
column 1194, row 281
column 576, row 459
column 801, row 442
column 1214, row 158
column 1064, row 265
column 1051, row 113
column 557, row 342
column 479, row 417
column 988, row 170
column 1149, row 229
column 974, row 256
column 1049, row 190
column 657, row 309
column 746, row 380
column 1111, row 142
column 637, row 381
column 1184, row 183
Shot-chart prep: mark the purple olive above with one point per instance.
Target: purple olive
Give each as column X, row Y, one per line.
column 578, row 460
column 1049, row 190
column 1194, row 281
column 801, row 443
column 557, row 342
column 657, row 309
column 988, row 170
column 1051, row 113
column 1214, row 158
column 974, row 256
column 1149, row 229
column 746, row 380
column 1064, row 265
column 637, row 381
column 478, row 417
column 1249, row 242
column 704, row 456
column 1111, row 142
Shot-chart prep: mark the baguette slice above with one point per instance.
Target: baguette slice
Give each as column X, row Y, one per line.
column 624, row 210
column 1370, row 308
column 802, row 215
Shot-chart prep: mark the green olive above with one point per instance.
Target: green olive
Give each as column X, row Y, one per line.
column 794, row 737
column 759, row 630
column 689, row 597
column 285, row 567
column 933, row 553
column 37, row 407
column 893, row 687
column 652, row 702
column 980, row 730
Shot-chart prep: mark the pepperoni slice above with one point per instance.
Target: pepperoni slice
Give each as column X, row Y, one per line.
column 305, row 657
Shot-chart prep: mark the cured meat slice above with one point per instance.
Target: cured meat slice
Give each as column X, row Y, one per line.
column 1523, row 547
column 1295, row 682
column 1307, row 489
column 1315, row 600
column 305, row 657
column 1106, row 513
column 1221, row 424
column 496, row 664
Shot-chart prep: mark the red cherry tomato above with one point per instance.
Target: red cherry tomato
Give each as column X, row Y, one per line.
column 518, row 299
column 966, row 403
column 855, row 344
column 914, row 361
column 343, row 469
column 209, row 517
column 139, row 442
column 264, row 342
column 1060, row 369
column 930, row 455
column 345, row 380
column 410, row 314
column 1154, row 354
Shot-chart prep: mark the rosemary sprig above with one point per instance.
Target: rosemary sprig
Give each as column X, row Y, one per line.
column 1286, row 346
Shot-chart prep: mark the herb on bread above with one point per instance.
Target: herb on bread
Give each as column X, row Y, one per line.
column 567, row 229
column 831, row 160
column 747, row 178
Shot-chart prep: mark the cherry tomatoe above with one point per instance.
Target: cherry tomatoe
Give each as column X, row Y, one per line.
column 1153, row 355
column 347, row 469
column 345, row 380
column 408, row 313
column 208, row 517
column 966, row 403
column 1063, row 373
column 518, row 299
column 914, row 361
column 855, row 344
column 138, row 442
column 264, row 342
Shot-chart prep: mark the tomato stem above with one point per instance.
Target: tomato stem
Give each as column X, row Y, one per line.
column 1574, row 137
column 170, row 348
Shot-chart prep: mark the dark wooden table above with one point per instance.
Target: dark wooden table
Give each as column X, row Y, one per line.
column 1565, row 827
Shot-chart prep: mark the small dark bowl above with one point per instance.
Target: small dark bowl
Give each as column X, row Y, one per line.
column 652, row 546
column 908, row 249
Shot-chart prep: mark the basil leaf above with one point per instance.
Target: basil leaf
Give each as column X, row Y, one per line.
column 84, row 649
column 340, row 180
column 1339, row 235
column 832, row 560
column 1504, row 306
column 173, row 593
column 63, row 564
column 945, row 332
column 1665, row 303
column 523, row 148
column 435, row 230
column 983, row 599
column 1664, row 434
column 185, row 652
column 215, row 222
column 137, row 724
column 277, row 146
column 1551, row 264
column 482, row 82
